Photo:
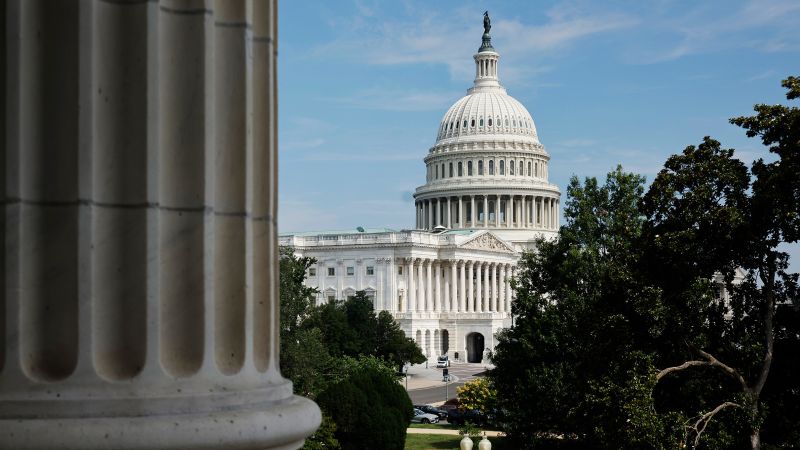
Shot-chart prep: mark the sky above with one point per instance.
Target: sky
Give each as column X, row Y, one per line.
column 364, row 84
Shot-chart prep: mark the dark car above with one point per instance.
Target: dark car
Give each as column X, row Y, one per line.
column 461, row 416
column 432, row 410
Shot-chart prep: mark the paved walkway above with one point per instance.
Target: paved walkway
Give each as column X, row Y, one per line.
column 449, row 432
column 421, row 377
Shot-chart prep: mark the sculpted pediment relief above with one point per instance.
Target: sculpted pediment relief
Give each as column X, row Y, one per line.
column 487, row 241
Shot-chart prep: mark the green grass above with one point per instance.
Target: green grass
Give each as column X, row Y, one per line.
column 443, row 441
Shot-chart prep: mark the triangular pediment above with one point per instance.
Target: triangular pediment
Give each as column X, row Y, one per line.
column 487, row 241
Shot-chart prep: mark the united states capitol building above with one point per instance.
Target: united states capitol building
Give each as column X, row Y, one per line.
column 486, row 199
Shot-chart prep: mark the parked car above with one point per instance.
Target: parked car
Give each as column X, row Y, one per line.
column 461, row 416
column 443, row 361
column 423, row 417
column 432, row 410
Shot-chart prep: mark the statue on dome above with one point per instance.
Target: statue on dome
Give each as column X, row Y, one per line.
column 487, row 22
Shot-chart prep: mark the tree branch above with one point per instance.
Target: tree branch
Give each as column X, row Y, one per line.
column 700, row 425
column 683, row 366
column 725, row 368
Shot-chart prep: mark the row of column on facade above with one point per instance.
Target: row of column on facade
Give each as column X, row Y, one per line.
column 497, row 211
column 434, row 285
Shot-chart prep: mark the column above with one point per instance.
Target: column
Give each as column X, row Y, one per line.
column 430, row 213
column 473, row 217
column 501, row 289
column 495, row 276
column 470, row 289
column 421, row 300
column 462, row 282
column 411, row 287
column 461, row 216
column 508, row 211
column 509, row 292
column 140, row 182
column 486, row 302
column 486, row 211
column 445, row 305
column 497, row 211
column 428, row 285
column 449, row 215
column 437, row 301
column 478, row 286
column 454, row 285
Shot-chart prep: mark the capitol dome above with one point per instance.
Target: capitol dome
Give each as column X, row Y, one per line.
column 487, row 168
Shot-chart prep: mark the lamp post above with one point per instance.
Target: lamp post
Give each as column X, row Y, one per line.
column 446, row 379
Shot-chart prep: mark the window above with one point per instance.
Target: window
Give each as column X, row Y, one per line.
column 521, row 168
column 530, row 174
column 460, row 169
column 480, row 167
column 502, row 167
column 399, row 270
column 472, row 123
column 491, row 167
column 465, row 123
column 469, row 168
column 437, row 172
column 331, row 271
column 506, row 122
column 351, row 271
column 481, row 121
column 312, row 271
column 442, row 170
column 370, row 270
column 490, row 122
column 511, row 167
column 451, row 126
column 331, row 298
column 451, row 170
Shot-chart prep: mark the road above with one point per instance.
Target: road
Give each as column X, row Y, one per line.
column 464, row 371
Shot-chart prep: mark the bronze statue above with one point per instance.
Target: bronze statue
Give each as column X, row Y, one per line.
column 487, row 22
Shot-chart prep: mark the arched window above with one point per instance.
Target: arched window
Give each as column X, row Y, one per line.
column 451, row 126
column 490, row 121
column 443, row 175
column 511, row 167
column 481, row 121
column 437, row 171
column 506, row 122
column 460, row 169
column 521, row 167
column 530, row 174
column 469, row 168
column 472, row 124
column 456, row 125
column 451, row 170
column 491, row 167
column 480, row 167
column 514, row 123
column 465, row 123
column 502, row 167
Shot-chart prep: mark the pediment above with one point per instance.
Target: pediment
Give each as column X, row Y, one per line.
column 487, row 241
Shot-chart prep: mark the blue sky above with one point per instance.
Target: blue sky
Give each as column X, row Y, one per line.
column 364, row 84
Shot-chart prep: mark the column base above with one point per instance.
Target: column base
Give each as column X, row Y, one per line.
column 270, row 425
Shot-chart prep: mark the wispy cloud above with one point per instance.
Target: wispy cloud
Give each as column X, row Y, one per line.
column 303, row 144
column 398, row 100
column 366, row 156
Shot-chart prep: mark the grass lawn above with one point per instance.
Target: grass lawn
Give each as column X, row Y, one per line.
column 435, row 426
column 443, row 441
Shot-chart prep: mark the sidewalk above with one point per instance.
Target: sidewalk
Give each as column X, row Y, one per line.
column 420, row 378
column 450, row 432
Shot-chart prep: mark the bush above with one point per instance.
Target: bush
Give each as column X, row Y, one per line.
column 370, row 409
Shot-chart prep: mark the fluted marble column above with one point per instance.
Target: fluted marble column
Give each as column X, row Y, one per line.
column 428, row 285
column 453, row 304
column 437, row 303
column 470, row 288
column 485, row 211
column 486, row 302
column 420, row 285
column 412, row 289
column 478, row 287
column 462, row 282
column 140, row 302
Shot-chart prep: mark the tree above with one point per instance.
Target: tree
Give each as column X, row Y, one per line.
column 586, row 325
column 705, row 217
column 370, row 408
column 392, row 344
column 477, row 394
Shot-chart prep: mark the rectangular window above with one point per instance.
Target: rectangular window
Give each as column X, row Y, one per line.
column 312, row 271
column 480, row 167
column 399, row 270
column 469, row 168
column 460, row 169
column 451, row 170
column 331, row 298
column 331, row 271
column 370, row 270
column 351, row 271
column 437, row 171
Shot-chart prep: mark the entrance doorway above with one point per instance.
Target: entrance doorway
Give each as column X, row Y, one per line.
column 445, row 342
column 475, row 347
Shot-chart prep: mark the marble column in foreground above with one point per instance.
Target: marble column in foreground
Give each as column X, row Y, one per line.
column 140, row 302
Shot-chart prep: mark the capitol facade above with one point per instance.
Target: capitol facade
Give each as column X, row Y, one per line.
column 486, row 199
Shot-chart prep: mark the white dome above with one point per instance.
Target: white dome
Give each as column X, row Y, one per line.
column 487, row 112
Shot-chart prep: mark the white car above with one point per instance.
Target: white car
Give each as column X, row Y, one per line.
column 423, row 417
column 442, row 362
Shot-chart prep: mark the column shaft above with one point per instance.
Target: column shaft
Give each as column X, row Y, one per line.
column 470, row 289
column 478, row 286
column 454, row 284
column 428, row 285
column 462, row 281
column 438, row 284
column 412, row 288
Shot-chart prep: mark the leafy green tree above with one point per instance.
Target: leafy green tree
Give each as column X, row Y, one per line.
column 708, row 214
column 585, row 324
column 370, row 408
column 392, row 344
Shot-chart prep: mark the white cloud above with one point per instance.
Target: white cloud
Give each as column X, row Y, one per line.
column 398, row 100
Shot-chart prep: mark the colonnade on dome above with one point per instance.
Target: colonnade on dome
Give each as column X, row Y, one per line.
column 487, row 211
